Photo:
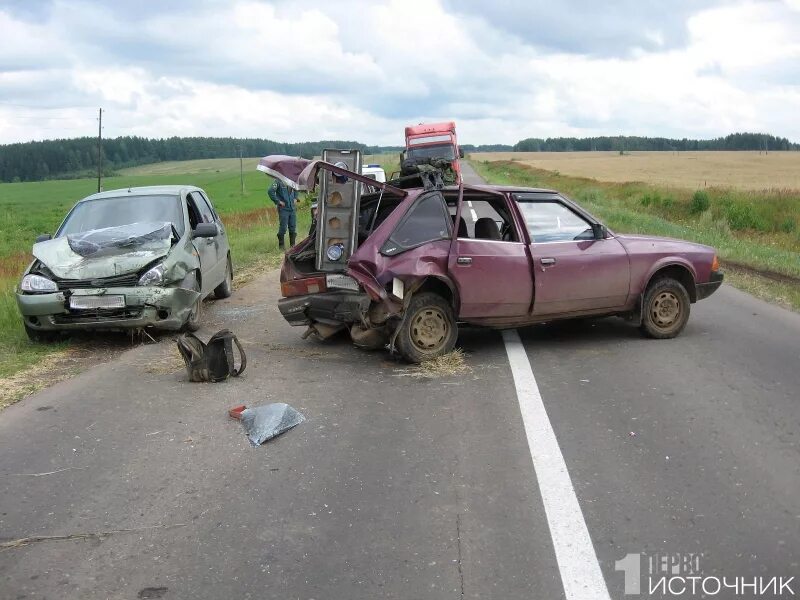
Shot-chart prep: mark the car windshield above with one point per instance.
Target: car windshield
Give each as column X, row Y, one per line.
column 123, row 210
column 446, row 151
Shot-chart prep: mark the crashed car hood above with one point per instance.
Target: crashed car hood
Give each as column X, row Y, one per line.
column 64, row 263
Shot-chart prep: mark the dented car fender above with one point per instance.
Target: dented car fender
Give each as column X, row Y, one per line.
column 413, row 268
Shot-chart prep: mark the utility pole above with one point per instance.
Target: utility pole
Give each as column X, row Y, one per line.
column 241, row 172
column 99, row 149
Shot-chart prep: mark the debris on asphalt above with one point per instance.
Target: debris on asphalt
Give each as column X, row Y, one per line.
column 236, row 412
column 263, row 423
column 50, row 472
column 213, row 361
column 446, row 365
column 631, row 434
column 95, row 535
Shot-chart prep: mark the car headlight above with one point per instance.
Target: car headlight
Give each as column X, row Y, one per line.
column 335, row 252
column 37, row 283
column 154, row 276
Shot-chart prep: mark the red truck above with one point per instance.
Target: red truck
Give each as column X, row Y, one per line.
column 434, row 140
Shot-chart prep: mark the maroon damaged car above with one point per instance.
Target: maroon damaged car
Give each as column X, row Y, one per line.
column 422, row 261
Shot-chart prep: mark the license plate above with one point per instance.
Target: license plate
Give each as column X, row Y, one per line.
column 94, row 302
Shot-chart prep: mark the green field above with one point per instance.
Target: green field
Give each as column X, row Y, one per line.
column 28, row 209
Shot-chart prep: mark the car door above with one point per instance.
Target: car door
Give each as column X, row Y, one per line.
column 490, row 266
column 207, row 248
column 572, row 271
column 221, row 241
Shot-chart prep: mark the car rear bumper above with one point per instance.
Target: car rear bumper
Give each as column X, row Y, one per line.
column 332, row 308
column 162, row 308
column 704, row 290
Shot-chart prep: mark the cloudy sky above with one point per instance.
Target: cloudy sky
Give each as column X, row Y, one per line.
column 308, row 70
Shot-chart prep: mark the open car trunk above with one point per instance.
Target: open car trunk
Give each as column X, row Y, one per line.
column 345, row 219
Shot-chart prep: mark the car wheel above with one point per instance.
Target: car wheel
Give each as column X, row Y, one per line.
column 225, row 289
column 192, row 322
column 665, row 309
column 428, row 330
column 37, row 335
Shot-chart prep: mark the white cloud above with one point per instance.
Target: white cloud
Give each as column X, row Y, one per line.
column 312, row 70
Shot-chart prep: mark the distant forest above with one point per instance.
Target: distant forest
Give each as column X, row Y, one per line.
column 734, row 141
column 51, row 159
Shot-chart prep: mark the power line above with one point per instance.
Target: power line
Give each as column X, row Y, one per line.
column 37, row 107
column 44, row 118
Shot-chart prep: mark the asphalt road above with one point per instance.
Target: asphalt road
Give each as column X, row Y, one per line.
column 400, row 487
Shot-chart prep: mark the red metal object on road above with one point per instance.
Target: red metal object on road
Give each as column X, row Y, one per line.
column 236, row 412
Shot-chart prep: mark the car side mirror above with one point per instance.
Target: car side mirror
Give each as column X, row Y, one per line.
column 599, row 231
column 205, row 230
column 43, row 238
column 460, row 153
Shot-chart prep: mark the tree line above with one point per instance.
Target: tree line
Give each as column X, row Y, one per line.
column 734, row 141
column 35, row 161
column 78, row 157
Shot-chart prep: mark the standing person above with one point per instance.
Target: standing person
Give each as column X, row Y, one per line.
column 313, row 226
column 285, row 199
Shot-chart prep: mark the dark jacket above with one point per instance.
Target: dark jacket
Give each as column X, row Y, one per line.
column 280, row 192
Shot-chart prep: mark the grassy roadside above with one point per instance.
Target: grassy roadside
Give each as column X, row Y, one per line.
column 754, row 231
column 28, row 209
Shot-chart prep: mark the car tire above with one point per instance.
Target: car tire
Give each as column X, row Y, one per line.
column 39, row 336
column 192, row 322
column 665, row 309
column 225, row 289
column 428, row 329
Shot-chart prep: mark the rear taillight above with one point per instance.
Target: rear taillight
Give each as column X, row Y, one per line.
column 302, row 287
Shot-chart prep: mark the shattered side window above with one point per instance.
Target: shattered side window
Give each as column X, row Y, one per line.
column 427, row 221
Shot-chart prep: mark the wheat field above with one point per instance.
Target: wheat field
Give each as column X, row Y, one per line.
column 693, row 170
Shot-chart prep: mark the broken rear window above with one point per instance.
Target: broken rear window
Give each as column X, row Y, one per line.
column 426, row 221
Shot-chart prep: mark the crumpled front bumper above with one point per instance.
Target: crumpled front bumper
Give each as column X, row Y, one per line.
column 158, row 307
column 331, row 308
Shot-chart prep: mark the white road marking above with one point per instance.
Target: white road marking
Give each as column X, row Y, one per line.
column 469, row 202
column 577, row 561
column 474, row 214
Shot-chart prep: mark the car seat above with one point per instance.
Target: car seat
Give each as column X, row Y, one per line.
column 486, row 229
